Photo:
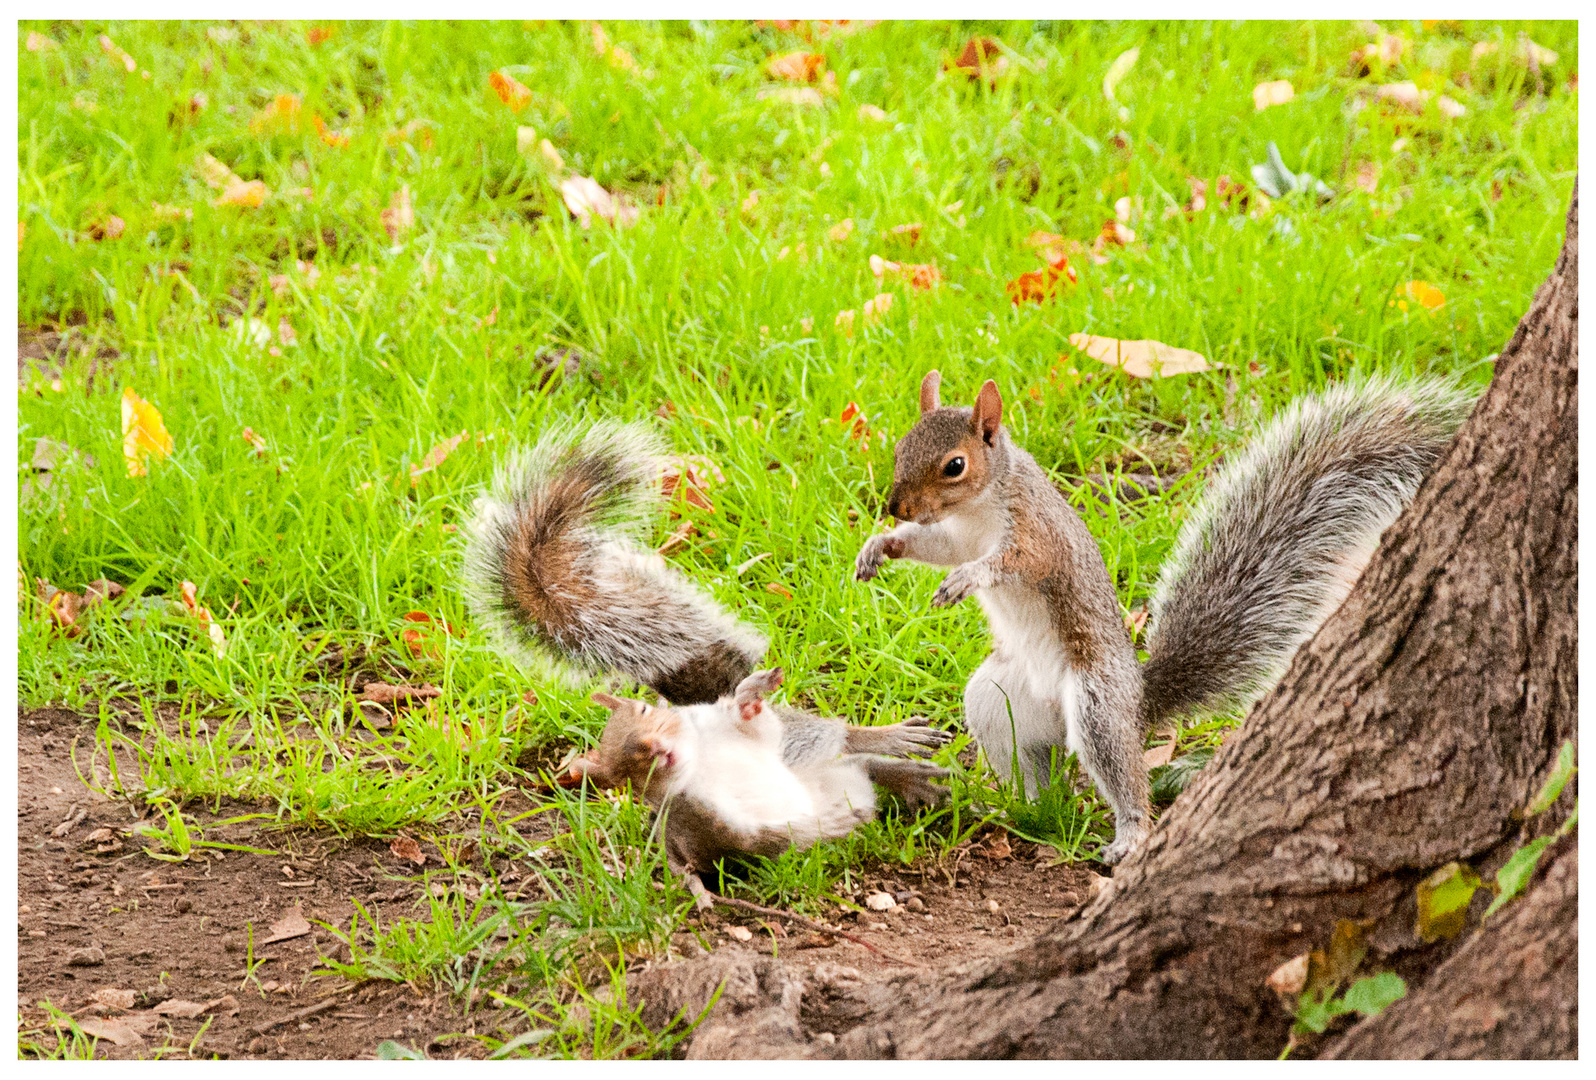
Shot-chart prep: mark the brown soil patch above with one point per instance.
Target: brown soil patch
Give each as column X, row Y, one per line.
column 176, row 931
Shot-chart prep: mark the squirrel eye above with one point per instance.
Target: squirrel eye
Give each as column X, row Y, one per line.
column 954, row 468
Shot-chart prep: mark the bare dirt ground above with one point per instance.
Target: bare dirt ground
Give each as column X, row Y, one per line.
column 153, row 955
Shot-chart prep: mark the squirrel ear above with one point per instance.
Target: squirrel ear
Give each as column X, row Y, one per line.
column 929, row 398
column 609, row 701
column 750, row 694
column 988, row 414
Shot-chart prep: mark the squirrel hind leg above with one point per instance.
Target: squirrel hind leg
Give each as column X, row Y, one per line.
column 909, row 780
column 913, row 736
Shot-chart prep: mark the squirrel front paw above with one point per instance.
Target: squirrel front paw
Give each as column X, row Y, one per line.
column 961, row 581
column 877, row 550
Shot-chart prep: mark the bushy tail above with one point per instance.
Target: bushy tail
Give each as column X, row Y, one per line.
column 1282, row 533
column 553, row 571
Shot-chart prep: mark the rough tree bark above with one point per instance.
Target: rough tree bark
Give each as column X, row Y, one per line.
column 1410, row 732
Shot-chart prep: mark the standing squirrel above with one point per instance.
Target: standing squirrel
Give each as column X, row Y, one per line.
column 553, row 570
column 1274, row 546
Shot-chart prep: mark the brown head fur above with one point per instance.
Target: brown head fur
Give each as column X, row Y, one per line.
column 637, row 746
column 948, row 457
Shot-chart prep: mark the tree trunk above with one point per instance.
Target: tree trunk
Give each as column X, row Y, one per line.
column 1409, row 733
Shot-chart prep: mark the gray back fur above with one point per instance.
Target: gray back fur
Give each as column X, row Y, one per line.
column 1282, row 533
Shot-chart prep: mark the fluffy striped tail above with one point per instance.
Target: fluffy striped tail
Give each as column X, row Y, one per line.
column 553, row 570
column 1282, row 534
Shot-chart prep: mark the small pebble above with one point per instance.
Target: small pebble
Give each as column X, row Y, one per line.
column 256, row 1045
column 826, row 1038
column 92, row 956
column 915, row 904
column 184, row 905
column 879, row 901
column 993, row 906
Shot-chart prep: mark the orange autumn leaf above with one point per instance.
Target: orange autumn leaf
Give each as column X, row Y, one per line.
column 512, row 93
column 235, row 191
column 690, row 477
column 779, row 590
column 1035, row 286
column 1420, row 292
column 980, row 54
column 318, row 34
column 330, row 137
column 424, row 629
column 256, row 441
column 1142, row 359
column 796, row 66
column 282, row 115
column 853, row 424
column 143, row 433
column 109, row 229
column 907, row 235
column 435, row 457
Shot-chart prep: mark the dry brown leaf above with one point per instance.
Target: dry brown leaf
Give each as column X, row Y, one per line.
column 318, row 34
column 385, row 694
column 419, row 640
column 291, row 925
column 585, row 198
column 100, row 590
column 405, row 847
column 114, row 51
column 919, row 275
column 800, row 66
column 1367, row 177
column 1142, row 358
column 62, row 608
column 40, row 43
column 511, row 92
column 123, row 1030
column 1403, row 94
column 779, row 590
column 435, row 457
column 689, row 476
column 143, row 433
column 907, row 235
column 109, row 229
column 678, row 537
column 1277, row 92
column 399, row 217
column 1039, row 285
column 980, row 54
column 190, row 593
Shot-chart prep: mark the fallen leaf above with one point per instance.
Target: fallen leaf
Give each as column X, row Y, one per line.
column 1443, row 900
column 852, row 422
column 114, row 51
column 741, row 933
column 919, row 275
column 841, row 230
column 1266, row 94
column 872, row 112
column 779, row 590
column 585, row 198
column 1420, row 292
column 143, row 432
column 405, row 847
column 435, row 457
column 1142, row 358
column 235, row 191
column 997, row 847
column 511, row 92
column 280, row 117
column 1449, row 107
column 1116, row 232
column 115, row 998
column 386, row 694
column 1403, row 94
column 1291, row 977
column 683, row 531
column 123, row 1030
column 1367, row 177
column 1120, row 68
column 1040, row 285
column 880, row 901
column 981, row 54
column 689, row 476
column 63, row 608
column 1135, row 621
column 877, row 306
column 185, row 1010
column 400, row 217
column 907, row 235
column 100, row 836
column 100, row 590
column 40, row 43
column 318, row 34
column 1159, row 755
column 416, row 640
column 751, row 202
column 796, row 66
column 292, row 925
column 191, row 603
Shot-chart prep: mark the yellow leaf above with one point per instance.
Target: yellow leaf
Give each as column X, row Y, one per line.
column 1423, row 292
column 143, row 432
column 248, row 194
column 1272, row 93
column 1142, row 359
column 1118, row 70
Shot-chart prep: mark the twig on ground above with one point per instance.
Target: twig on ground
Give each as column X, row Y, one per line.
column 807, row 923
column 328, row 1002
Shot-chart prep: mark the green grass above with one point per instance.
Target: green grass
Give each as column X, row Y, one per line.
column 692, row 322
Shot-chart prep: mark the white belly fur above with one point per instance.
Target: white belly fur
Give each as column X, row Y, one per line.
column 1029, row 651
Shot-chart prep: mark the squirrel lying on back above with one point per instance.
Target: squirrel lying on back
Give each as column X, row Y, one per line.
column 553, row 571
column 1274, row 546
